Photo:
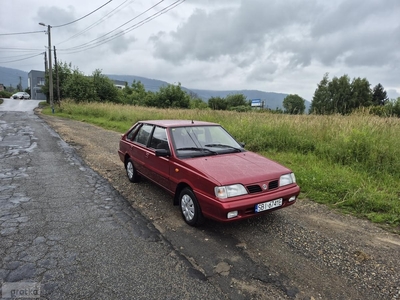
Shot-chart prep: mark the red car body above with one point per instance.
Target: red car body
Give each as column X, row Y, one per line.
column 204, row 171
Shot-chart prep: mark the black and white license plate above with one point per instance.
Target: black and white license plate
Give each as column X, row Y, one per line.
column 268, row 205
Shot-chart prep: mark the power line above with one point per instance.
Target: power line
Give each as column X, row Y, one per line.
column 112, row 12
column 19, row 49
column 85, row 46
column 13, row 56
column 41, row 31
column 28, row 32
column 4, row 62
column 82, row 17
column 104, row 35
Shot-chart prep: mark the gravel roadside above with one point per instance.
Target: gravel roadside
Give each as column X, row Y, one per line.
column 324, row 254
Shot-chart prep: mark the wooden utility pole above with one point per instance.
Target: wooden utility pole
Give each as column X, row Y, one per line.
column 45, row 62
column 58, row 80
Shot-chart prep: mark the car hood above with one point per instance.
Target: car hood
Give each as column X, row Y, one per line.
column 245, row 167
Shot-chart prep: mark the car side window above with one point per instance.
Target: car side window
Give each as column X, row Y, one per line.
column 133, row 132
column 143, row 135
column 159, row 139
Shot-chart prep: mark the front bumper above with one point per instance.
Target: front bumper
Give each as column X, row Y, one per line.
column 218, row 210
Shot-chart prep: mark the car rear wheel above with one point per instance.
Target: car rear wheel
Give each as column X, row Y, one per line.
column 131, row 171
column 190, row 208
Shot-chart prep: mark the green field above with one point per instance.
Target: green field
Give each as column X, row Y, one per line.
column 350, row 163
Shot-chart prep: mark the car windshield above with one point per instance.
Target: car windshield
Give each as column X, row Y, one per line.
column 193, row 141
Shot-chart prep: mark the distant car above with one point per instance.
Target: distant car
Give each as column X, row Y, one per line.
column 207, row 171
column 21, row 95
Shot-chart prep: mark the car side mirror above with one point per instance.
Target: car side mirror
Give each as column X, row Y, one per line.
column 163, row 152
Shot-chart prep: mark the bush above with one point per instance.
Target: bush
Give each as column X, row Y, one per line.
column 5, row 94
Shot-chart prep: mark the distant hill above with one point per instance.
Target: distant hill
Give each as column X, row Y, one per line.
column 12, row 77
column 271, row 100
column 150, row 84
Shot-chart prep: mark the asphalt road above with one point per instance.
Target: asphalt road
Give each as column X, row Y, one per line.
column 19, row 105
column 64, row 229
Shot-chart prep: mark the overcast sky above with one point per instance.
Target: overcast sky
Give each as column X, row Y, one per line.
column 281, row 46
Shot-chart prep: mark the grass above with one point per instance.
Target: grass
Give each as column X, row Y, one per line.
column 350, row 163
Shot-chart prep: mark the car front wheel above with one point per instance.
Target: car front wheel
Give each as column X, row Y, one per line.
column 190, row 208
column 131, row 171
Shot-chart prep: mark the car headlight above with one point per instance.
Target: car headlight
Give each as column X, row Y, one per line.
column 287, row 179
column 223, row 192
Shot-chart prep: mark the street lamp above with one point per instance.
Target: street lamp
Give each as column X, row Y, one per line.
column 50, row 69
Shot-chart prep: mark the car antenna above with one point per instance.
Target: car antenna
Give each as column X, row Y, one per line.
column 192, row 122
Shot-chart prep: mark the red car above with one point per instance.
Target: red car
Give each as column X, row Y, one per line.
column 207, row 171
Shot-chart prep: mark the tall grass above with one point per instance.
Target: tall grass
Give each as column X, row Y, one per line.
column 348, row 162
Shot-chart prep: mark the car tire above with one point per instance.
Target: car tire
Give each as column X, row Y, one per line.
column 131, row 171
column 190, row 208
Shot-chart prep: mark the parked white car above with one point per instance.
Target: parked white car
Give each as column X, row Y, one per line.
column 21, row 95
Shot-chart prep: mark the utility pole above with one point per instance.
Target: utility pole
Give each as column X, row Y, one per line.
column 58, row 79
column 50, row 72
column 45, row 62
column 50, row 69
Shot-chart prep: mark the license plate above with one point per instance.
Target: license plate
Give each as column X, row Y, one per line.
column 268, row 205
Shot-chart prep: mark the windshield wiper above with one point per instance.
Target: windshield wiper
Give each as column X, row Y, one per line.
column 223, row 146
column 197, row 149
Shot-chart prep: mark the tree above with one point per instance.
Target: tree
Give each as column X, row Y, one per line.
column 340, row 91
column 360, row 93
column 321, row 103
column 196, row 102
column 80, row 87
column 236, row 100
column 217, row 103
column 104, row 89
column 294, row 104
column 379, row 96
column 136, row 94
column 64, row 72
column 169, row 96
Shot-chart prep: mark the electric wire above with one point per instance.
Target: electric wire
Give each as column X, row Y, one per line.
column 57, row 26
column 4, row 62
column 41, row 31
column 104, row 35
column 13, row 56
column 18, row 49
column 85, row 47
column 108, row 15
column 97, row 41
column 28, row 32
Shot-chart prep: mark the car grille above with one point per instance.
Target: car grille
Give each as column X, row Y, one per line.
column 273, row 184
column 254, row 189
column 257, row 188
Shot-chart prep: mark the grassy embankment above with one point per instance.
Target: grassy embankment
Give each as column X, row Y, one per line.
column 351, row 163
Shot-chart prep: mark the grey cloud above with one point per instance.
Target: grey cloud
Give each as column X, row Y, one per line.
column 392, row 94
column 263, row 71
column 231, row 31
column 121, row 44
column 348, row 15
column 55, row 16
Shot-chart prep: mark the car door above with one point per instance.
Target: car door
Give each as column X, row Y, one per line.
column 159, row 166
column 139, row 150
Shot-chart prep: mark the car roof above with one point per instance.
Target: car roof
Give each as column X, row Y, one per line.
column 178, row 123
